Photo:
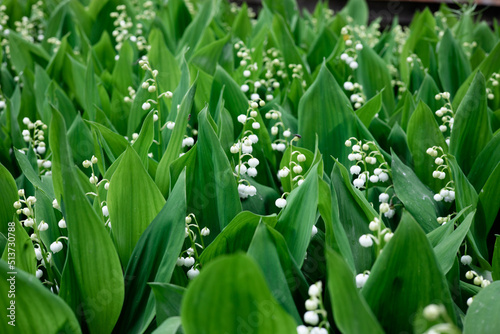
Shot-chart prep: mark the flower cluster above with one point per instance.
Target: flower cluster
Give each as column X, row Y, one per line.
column 477, row 279
column 315, row 316
column 493, row 82
column 30, row 27
column 447, row 193
column 26, row 206
column 367, row 158
column 191, row 260
column 446, row 114
column 253, row 85
column 125, row 29
column 381, row 236
column 35, row 135
column 356, row 90
column 94, row 180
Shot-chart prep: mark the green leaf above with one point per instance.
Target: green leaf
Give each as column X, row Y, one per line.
column 133, row 202
column 374, row 76
column 296, row 220
column 162, row 60
column 264, row 249
column 394, row 292
column 350, row 310
column 286, row 44
column 31, row 175
column 194, row 31
column 325, row 111
column 236, row 236
column 496, row 260
column 32, row 301
column 153, row 259
column 9, row 196
column 170, row 326
column 446, row 250
column 215, row 199
column 488, row 66
column 358, row 11
column 471, row 122
column 423, row 132
column 370, row 109
column 93, row 266
column 482, row 316
column 207, row 57
column 142, row 144
column 488, row 200
column 168, row 299
column 245, row 306
column 416, row 197
column 453, row 65
column 174, row 147
column 335, row 235
column 485, row 163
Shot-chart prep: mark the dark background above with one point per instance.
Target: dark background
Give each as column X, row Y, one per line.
column 404, row 9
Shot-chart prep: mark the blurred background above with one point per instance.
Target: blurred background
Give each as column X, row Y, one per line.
column 404, row 9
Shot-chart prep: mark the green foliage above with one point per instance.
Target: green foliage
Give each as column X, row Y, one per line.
column 197, row 167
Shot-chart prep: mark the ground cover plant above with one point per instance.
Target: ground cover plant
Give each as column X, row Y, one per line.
column 193, row 167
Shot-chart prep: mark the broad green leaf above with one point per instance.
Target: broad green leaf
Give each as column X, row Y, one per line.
column 215, row 199
column 335, row 235
column 133, row 202
column 488, row 66
column 374, row 76
column 244, row 305
column 321, row 48
column 80, row 140
column 9, row 196
column 32, row 175
column 446, row 250
column 142, row 144
column 206, row 58
column 471, row 122
column 296, row 220
column 466, row 196
column 242, row 27
column 355, row 213
column 422, row 27
column 168, row 299
column 393, row 291
column 192, row 35
column 350, row 309
column 325, row 111
column 36, row 309
column 370, row 109
column 286, row 8
column 416, row 197
column 286, row 44
column 488, row 200
column 437, row 235
column 164, row 62
column 153, row 259
column 427, row 92
column 169, row 326
column 264, row 249
column 453, row 65
column 19, row 249
column 174, row 147
column 397, row 140
column 423, row 132
column 236, row 236
column 485, row 163
column 357, row 10
column 482, row 316
column 93, row 266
